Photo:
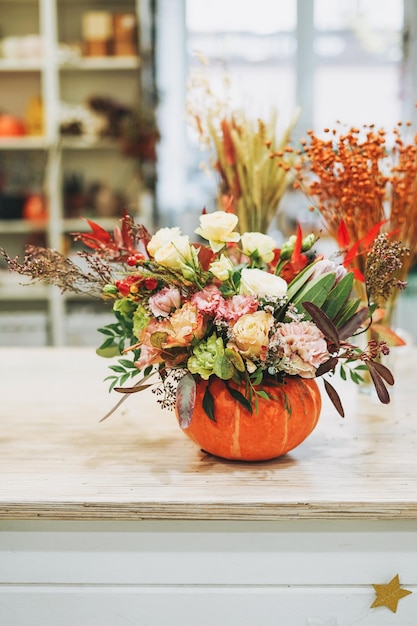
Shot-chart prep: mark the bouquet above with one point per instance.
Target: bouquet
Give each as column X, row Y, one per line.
column 229, row 306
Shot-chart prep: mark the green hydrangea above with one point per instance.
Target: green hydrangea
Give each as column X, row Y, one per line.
column 141, row 319
column 209, row 358
column 125, row 306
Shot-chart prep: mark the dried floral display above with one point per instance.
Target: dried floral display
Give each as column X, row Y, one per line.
column 363, row 182
column 251, row 183
column 236, row 308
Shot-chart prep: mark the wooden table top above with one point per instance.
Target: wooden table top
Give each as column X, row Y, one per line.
column 59, row 462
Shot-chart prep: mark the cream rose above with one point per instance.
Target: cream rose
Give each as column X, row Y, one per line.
column 258, row 243
column 222, row 268
column 174, row 254
column 161, row 238
column 217, row 228
column 255, row 282
column 251, row 332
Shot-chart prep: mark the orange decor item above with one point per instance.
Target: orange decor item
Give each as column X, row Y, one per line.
column 35, row 208
column 279, row 425
column 11, row 126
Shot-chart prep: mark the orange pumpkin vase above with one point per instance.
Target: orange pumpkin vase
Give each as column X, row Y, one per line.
column 279, row 425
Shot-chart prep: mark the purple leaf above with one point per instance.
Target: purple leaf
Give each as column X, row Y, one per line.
column 384, row 372
column 334, row 397
column 186, row 392
column 380, row 388
column 330, row 364
column 323, row 322
column 353, row 324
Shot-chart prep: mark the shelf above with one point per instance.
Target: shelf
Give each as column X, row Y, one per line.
column 78, row 225
column 19, row 291
column 102, row 63
column 21, row 65
column 17, row 227
column 84, row 143
column 23, row 143
column 65, row 81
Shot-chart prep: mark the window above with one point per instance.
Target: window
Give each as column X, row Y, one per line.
column 337, row 59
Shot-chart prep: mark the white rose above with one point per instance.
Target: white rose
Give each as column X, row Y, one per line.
column 255, row 282
column 161, row 238
column 175, row 253
column 217, row 228
column 221, row 268
column 262, row 244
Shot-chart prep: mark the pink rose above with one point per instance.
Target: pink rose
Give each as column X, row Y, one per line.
column 236, row 306
column 303, row 348
column 208, row 300
column 165, row 301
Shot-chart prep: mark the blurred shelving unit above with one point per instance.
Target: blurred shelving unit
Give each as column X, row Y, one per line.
column 77, row 107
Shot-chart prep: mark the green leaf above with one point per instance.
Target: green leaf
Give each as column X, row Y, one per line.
column 124, row 378
column 240, row 398
column 257, row 376
column 185, row 401
column 235, row 358
column 347, row 311
column 108, row 342
column 338, row 296
column 108, row 352
column 113, row 383
column 299, row 281
column 208, row 404
column 342, row 373
column 262, row 394
column 127, row 363
column 117, row 368
column 105, row 331
column 223, row 368
column 315, row 292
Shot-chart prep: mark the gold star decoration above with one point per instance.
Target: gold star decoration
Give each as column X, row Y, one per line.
column 389, row 595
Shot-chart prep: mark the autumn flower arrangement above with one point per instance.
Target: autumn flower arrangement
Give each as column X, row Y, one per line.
column 231, row 306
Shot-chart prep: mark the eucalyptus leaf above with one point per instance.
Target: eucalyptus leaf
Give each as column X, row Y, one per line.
column 185, row 401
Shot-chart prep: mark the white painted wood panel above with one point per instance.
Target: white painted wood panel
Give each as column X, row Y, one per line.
column 215, row 553
column 208, row 606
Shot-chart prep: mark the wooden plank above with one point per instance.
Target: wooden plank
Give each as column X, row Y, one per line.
column 59, row 462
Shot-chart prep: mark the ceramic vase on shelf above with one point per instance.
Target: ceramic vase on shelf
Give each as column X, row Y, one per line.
column 276, row 426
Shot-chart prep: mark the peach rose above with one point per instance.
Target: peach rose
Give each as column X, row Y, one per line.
column 251, row 332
